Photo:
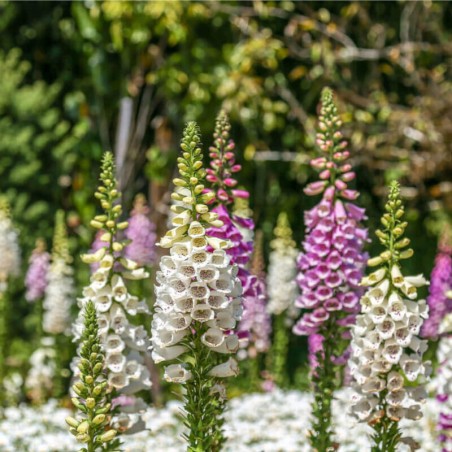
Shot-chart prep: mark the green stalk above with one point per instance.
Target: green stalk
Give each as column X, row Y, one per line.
column 279, row 351
column 325, row 380
column 387, row 434
column 202, row 408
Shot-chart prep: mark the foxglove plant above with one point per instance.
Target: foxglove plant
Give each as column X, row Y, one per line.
column 9, row 267
column 440, row 283
column 9, row 246
column 256, row 321
column 36, row 284
column 237, row 228
column 93, row 425
column 141, row 233
column 330, row 266
column 387, row 355
column 125, row 344
column 36, row 277
column 282, row 270
column 282, row 292
column 59, row 291
column 197, row 302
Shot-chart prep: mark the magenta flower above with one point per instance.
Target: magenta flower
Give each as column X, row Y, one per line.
column 222, row 165
column 36, row 277
column 141, row 232
column 440, row 283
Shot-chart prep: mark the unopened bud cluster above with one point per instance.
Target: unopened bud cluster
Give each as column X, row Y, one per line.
column 387, row 355
column 223, row 165
column 92, row 427
column 334, row 171
column 189, row 195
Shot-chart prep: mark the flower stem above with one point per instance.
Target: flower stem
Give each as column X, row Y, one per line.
column 325, row 381
column 387, row 435
column 279, row 351
column 202, row 408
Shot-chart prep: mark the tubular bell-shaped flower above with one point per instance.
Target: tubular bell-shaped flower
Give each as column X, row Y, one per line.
column 387, row 355
column 59, row 292
column 197, row 301
column 93, row 428
column 124, row 341
column 330, row 266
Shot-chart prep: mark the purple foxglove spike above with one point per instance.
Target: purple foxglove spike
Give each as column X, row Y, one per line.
column 141, row 233
column 36, row 277
column 332, row 262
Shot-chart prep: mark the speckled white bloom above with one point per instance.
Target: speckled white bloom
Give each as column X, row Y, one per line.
column 386, row 349
column 195, row 284
column 125, row 344
column 58, row 297
column 9, row 248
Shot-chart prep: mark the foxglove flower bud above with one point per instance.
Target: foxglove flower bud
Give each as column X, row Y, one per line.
column 386, row 350
column 92, row 427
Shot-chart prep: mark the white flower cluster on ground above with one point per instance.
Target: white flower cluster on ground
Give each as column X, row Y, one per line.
column 271, row 422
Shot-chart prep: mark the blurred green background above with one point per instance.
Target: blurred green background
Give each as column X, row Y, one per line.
column 81, row 77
